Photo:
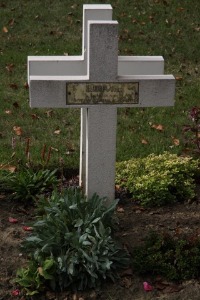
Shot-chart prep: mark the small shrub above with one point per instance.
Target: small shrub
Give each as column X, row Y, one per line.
column 161, row 254
column 27, row 185
column 158, row 180
column 76, row 235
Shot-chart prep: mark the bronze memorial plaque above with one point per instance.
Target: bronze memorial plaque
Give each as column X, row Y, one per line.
column 82, row 93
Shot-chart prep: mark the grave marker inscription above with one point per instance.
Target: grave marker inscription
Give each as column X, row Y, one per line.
column 98, row 82
column 102, row 93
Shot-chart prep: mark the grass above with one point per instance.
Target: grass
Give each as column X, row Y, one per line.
column 154, row 27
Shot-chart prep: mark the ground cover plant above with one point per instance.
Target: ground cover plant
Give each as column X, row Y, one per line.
column 175, row 258
column 27, row 185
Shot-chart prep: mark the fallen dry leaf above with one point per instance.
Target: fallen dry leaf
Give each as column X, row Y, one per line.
column 57, row 131
column 151, row 18
column 17, row 130
column 158, row 127
column 5, row 29
column 54, row 149
column 147, row 287
column 144, row 142
column 179, row 78
column 134, row 21
column 34, row 117
column 15, row 292
column 118, row 187
column 120, row 209
column 176, row 142
column 74, row 6
column 9, row 67
column 180, row 9
column 11, row 22
column 49, row 113
column 9, row 168
column 12, row 220
column 27, row 228
column 8, row 112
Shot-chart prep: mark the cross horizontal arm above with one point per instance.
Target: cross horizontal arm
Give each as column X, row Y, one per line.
column 75, row 65
column 154, row 90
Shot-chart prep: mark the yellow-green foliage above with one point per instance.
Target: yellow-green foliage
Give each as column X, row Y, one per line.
column 158, row 179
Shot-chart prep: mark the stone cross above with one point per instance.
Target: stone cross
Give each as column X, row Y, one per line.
column 99, row 81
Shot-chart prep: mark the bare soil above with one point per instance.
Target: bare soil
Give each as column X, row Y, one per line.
column 134, row 223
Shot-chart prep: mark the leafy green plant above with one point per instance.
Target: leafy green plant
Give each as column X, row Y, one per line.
column 27, row 185
column 76, row 235
column 158, row 179
column 173, row 258
column 32, row 278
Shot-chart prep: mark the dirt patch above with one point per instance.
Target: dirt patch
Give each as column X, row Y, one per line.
column 133, row 224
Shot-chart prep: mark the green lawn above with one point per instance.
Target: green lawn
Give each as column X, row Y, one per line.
column 154, row 27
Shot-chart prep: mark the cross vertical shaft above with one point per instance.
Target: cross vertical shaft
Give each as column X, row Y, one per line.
column 101, row 120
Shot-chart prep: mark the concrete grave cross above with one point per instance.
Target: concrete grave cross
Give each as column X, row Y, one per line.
column 98, row 82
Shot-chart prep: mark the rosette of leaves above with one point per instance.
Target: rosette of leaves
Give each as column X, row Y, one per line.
column 26, row 185
column 158, row 180
column 76, row 235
